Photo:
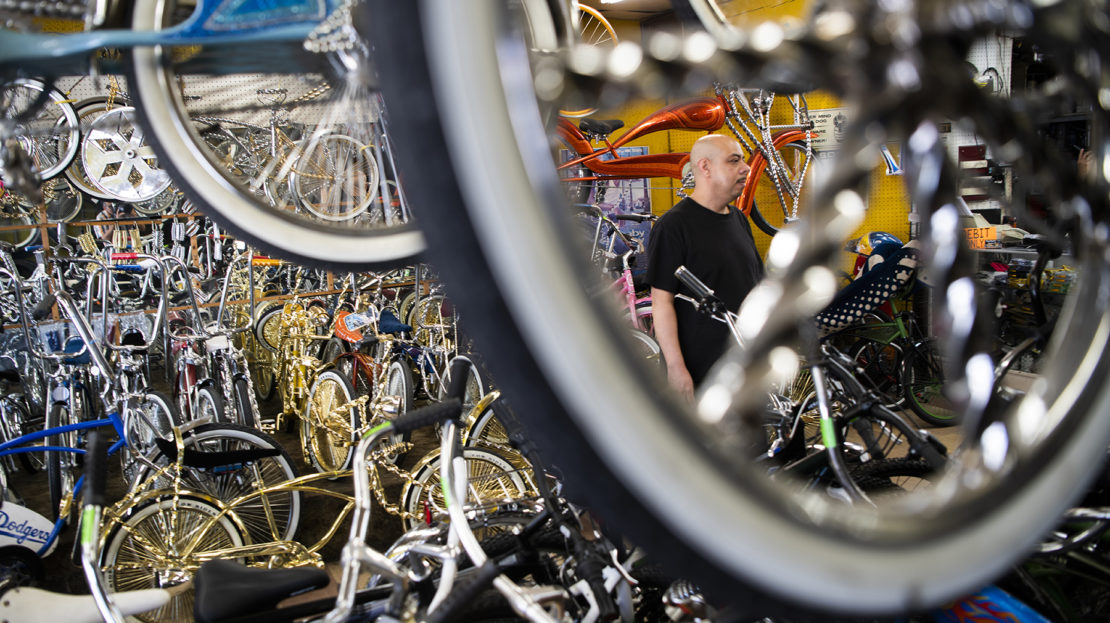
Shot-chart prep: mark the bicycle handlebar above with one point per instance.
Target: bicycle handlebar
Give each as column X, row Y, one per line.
column 95, row 477
column 697, row 286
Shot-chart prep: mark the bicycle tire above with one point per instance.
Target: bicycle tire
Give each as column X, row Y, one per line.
column 399, row 383
column 326, row 449
column 648, row 349
column 63, row 204
column 757, row 217
column 52, row 130
column 899, row 476
column 18, row 238
column 751, row 536
column 18, row 422
column 153, row 85
column 235, row 481
column 882, row 365
column 210, row 403
column 152, row 546
column 311, row 180
column 922, row 380
column 486, row 428
column 332, row 349
column 245, row 406
column 268, row 329
column 58, row 464
column 261, row 371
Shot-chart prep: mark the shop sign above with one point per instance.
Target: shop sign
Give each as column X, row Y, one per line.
column 977, row 237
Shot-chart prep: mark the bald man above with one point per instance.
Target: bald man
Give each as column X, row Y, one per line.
column 714, row 241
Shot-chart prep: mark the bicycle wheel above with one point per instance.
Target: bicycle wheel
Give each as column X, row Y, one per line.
column 63, row 202
column 923, row 382
column 210, row 404
column 180, row 107
column 895, row 476
column 399, row 384
column 334, row 178
column 332, row 349
column 151, row 415
column 490, row 476
column 881, row 363
column 327, row 434
column 161, row 545
column 88, row 110
column 261, row 368
column 60, row 464
column 45, row 124
column 18, row 421
column 474, row 388
column 18, row 238
column 230, row 482
column 485, row 428
column 268, row 329
column 246, row 409
column 647, row 349
column 716, row 518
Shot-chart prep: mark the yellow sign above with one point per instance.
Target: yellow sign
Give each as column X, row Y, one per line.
column 977, row 237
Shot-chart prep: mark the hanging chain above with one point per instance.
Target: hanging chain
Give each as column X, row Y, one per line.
column 336, row 32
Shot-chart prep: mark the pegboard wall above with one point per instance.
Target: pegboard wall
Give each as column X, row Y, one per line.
column 888, row 202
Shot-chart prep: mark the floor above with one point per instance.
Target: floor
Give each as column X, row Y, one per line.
column 61, row 574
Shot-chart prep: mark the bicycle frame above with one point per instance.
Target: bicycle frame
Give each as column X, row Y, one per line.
column 701, row 114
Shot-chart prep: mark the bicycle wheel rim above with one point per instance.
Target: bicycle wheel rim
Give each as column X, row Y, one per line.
column 234, row 482
column 136, row 552
column 763, row 535
column 167, row 121
column 330, row 451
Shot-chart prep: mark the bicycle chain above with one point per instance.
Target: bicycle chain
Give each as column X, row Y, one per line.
column 336, row 32
column 40, row 8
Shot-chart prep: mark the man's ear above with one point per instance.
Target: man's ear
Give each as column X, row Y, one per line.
column 702, row 165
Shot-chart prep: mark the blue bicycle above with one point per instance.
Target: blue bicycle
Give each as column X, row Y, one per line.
column 264, row 114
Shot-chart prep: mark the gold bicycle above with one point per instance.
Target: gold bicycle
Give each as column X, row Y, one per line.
column 160, row 537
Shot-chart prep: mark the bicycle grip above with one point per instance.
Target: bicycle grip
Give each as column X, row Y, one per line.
column 96, row 469
column 638, row 218
column 460, row 596
column 42, row 309
column 449, row 409
column 700, row 290
column 125, row 256
column 129, row 268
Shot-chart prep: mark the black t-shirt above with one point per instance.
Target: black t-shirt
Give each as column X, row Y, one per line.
column 719, row 250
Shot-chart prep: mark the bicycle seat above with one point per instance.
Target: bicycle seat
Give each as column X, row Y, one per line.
column 208, row 459
column 226, row 589
column 600, row 127
column 32, row 605
column 390, row 323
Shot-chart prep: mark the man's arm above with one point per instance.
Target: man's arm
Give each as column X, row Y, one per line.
column 666, row 333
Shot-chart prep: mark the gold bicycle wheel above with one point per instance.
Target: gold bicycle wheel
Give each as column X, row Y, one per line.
column 272, row 516
column 329, row 431
column 161, row 545
column 490, row 478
